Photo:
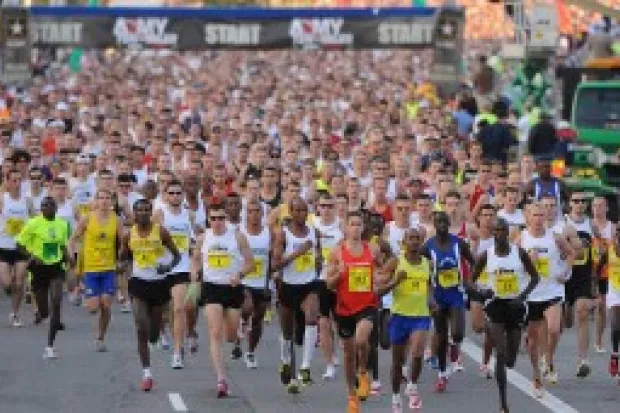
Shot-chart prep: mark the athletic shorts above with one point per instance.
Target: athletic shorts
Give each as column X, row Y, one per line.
column 347, row 324
column 258, row 295
column 97, row 284
column 401, row 327
column 577, row 289
column 449, row 297
column 42, row 275
column 536, row 309
column 499, row 311
column 223, row 294
column 154, row 293
column 11, row 256
column 327, row 301
column 176, row 278
column 603, row 286
column 292, row 295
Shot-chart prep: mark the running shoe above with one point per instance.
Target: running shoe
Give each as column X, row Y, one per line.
column 192, row 343
column 50, row 353
column 126, row 307
column 304, row 377
column 250, row 361
column 441, row 385
column 237, row 353
column 293, row 387
column 551, row 376
column 485, row 371
column 457, row 366
column 15, row 321
column 164, row 341
column 222, row 389
column 146, row 384
column 177, row 362
column 613, row 365
column 397, row 406
column 100, row 346
column 330, row 372
column 375, row 388
column 353, row 405
column 285, row 373
column 415, row 401
column 600, row 349
column 539, row 390
column 363, row 386
column 583, row 370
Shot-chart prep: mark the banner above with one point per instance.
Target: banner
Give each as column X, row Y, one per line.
column 15, row 51
column 248, row 28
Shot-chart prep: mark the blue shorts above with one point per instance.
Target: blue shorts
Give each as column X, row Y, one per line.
column 97, row 284
column 449, row 297
column 401, row 327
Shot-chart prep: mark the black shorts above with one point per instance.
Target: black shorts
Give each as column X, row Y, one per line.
column 258, row 295
column 42, row 275
column 154, row 293
column 292, row 295
column 536, row 309
column 577, row 289
column 176, row 278
column 603, row 286
column 327, row 301
column 499, row 311
column 12, row 256
column 347, row 324
column 223, row 294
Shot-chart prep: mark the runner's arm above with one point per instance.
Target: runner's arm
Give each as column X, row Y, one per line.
column 166, row 239
column 246, row 253
column 531, row 270
column 196, row 260
column 601, row 265
column 333, row 269
column 79, row 231
column 123, row 253
column 391, row 280
column 481, row 262
column 466, row 252
column 565, row 248
column 158, row 216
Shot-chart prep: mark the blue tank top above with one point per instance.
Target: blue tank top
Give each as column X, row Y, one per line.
column 446, row 275
column 551, row 188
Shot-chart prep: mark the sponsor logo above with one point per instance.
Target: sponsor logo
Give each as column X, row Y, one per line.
column 319, row 32
column 405, row 33
column 57, row 33
column 232, row 34
column 148, row 31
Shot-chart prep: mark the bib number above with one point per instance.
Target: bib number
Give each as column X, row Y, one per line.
column 145, row 259
column 416, row 286
column 50, row 251
column 219, row 261
column 449, row 278
column 259, row 268
column 542, row 267
column 614, row 278
column 506, row 285
column 181, row 242
column 304, row 262
column 359, row 280
column 14, row 226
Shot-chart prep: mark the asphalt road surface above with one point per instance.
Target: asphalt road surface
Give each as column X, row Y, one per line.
column 84, row 381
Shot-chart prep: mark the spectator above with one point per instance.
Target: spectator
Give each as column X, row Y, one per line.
column 542, row 138
column 497, row 138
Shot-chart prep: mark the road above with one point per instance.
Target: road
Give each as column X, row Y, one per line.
column 82, row 380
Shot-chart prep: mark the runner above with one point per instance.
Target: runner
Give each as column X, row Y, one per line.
column 257, row 294
column 411, row 317
column 178, row 221
column 547, row 251
column 225, row 258
column 611, row 260
column 149, row 289
column 329, row 231
column 101, row 231
column 508, row 267
column 15, row 209
column 352, row 274
column 482, row 240
column 44, row 241
column 445, row 252
column 294, row 254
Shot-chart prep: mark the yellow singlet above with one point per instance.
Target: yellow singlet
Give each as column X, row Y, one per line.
column 410, row 297
column 147, row 250
column 100, row 244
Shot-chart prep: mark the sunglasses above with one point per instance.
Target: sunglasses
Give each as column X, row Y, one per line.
column 579, row 201
column 217, row 218
column 326, row 205
column 36, row 178
column 175, row 193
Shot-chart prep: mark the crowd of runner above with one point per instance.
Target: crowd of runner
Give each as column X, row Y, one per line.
column 323, row 186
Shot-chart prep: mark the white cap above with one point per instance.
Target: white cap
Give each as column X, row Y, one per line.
column 62, row 106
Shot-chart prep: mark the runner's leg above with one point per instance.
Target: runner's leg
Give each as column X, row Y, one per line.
column 214, row 314
column 56, row 286
column 498, row 334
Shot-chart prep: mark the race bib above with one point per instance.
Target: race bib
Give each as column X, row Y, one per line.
column 304, row 262
column 219, row 260
column 359, row 279
column 14, row 226
column 51, row 251
column 325, row 254
column 506, row 284
column 614, row 277
column 449, row 278
column 181, row 242
column 145, row 259
column 542, row 267
column 416, row 285
column 484, row 277
column 259, row 268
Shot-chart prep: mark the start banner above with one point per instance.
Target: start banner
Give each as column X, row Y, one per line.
column 244, row 28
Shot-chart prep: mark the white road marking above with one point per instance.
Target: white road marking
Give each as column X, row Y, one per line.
column 177, row 402
column 519, row 381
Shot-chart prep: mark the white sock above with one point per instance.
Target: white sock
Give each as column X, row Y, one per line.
column 310, row 336
column 412, row 388
column 285, row 350
column 147, row 373
column 396, row 398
